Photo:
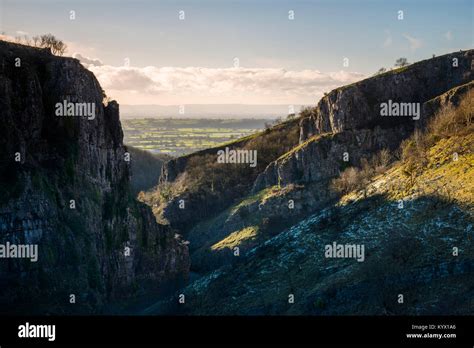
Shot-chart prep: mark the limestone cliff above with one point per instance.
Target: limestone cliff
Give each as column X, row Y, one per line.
column 357, row 106
column 65, row 187
column 348, row 118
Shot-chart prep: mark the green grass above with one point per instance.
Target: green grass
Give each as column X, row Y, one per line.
column 179, row 137
column 237, row 238
column 252, row 199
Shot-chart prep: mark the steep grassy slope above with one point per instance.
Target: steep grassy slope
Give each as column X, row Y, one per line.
column 415, row 221
column 274, row 208
column 251, row 222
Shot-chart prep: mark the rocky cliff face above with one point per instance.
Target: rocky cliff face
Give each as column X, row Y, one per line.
column 357, row 106
column 65, row 187
column 322, row 157
column 348, row 119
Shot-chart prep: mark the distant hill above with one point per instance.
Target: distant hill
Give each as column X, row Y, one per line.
column 222, row 111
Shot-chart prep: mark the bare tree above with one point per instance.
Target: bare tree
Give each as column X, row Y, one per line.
column 26, row 40
column 401, row 62
column 35, row 40
column 56, row 46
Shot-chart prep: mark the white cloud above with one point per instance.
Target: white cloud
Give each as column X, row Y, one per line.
column 196, row 85
column 448, row 35
column 199, row 85
column 87, row 61
column 414, row 43
column 73, row 49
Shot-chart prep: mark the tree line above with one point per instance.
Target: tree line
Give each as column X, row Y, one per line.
column 57, row 46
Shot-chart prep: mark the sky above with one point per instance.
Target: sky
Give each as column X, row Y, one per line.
column 240, row 51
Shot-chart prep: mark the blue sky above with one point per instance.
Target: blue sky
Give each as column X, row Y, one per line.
column 258, row 33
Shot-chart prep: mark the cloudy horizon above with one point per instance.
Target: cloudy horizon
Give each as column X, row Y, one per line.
column 270, row 53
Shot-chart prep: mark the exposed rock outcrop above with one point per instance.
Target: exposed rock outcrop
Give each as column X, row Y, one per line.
column 322, row 156
column 65, row 187
column 348, row 118
column 357, row 106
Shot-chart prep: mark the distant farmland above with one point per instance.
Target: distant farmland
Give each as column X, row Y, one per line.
column 177, row 137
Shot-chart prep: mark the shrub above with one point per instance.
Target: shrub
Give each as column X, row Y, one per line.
column 448, row 121
column 384, row 158
column 452, row 120
column 347, row 180
column 356, row 178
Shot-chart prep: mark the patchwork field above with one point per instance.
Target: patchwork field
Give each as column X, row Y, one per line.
column 176, row 137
